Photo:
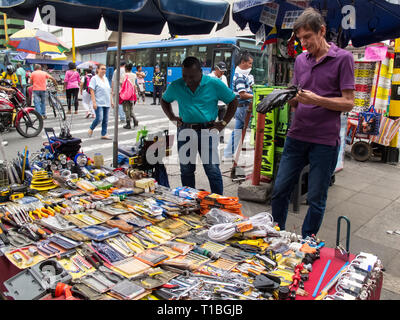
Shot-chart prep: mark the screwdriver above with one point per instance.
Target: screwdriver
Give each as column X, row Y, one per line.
column 3, row 236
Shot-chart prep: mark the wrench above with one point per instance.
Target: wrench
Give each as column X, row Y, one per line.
column 221, row 290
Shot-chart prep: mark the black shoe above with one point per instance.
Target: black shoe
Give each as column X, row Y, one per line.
column 127, row 126
column 135, row 124
column 153, row 104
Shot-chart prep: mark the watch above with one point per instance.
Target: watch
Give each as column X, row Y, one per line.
column 223, row 123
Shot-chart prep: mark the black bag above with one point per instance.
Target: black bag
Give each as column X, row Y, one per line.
column 69, row 147
column 276, row 99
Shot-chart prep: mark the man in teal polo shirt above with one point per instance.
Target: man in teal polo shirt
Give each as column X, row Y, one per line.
column 198, row 97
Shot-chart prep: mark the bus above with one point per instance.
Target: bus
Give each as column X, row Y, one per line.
column 169, row 55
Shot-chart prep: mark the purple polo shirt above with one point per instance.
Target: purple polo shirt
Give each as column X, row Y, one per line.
column 327, row 78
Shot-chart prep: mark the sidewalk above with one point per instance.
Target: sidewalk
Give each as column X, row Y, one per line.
column 367, row 193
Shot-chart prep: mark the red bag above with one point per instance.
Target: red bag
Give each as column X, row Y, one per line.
column 127, row 92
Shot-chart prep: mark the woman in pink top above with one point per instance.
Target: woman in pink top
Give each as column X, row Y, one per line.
column 72, row 82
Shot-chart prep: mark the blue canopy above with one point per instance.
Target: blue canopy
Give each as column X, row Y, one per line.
column 183, row 17
column 375, row 20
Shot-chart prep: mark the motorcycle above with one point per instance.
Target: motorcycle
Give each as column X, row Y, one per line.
column 14, row 112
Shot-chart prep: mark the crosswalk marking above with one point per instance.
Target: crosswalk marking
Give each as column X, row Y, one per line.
column 111, row 126
column 153, row 123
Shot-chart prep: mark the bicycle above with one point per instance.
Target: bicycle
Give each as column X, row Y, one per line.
column 55, row 103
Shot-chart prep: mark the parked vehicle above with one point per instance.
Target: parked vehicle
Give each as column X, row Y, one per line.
column 14, row 112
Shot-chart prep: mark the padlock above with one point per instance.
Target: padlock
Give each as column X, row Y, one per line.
column 340, row 252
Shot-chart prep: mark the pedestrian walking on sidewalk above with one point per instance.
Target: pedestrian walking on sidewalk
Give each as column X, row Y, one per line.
column 140, row 75
column 72, row 82
column 325, row 74
column 100, row 92
column 21, row 74
column 85, row 93
column 242, row 86
column 128, row 104
column 116, row 88
column 38, row 80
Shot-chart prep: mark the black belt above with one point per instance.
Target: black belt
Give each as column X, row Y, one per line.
column 198, row 126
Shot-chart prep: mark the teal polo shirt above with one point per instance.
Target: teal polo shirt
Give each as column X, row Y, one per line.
column 202, row 105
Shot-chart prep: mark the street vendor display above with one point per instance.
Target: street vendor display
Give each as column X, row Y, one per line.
column 72, row 228
column 71, row 231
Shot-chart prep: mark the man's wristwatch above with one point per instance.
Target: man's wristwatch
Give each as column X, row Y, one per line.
column 223, row 123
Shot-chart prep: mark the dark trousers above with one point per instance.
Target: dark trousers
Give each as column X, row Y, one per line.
column 221, row 112
column 296, row 155
column 72, row 94
column 157, row 92
column 204, row 142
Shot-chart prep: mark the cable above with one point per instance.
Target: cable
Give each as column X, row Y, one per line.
column 262, row 224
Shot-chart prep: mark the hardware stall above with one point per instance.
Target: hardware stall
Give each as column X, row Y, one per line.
column 73, row 228
column 371, row 128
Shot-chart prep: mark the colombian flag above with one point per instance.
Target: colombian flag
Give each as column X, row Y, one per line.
column 272, row 37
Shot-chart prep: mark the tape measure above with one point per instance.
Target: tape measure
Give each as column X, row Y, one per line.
column 5, row 194
column 16, row 196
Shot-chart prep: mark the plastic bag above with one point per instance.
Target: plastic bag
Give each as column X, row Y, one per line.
column 216, row 216
column 276, row 99
column 369, row 122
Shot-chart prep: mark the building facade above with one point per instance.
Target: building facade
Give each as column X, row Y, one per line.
column 12, row 26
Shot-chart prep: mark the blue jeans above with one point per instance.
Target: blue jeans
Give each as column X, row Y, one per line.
column 206, row 143
column 121, row 112
column 240, row 117
column 296, row 155
column 39, row 100
column 22, row 87
column 101, row 116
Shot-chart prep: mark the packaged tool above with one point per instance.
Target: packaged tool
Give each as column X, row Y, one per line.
column 156, row 277
column 56, row 223
column 24, row 257
column 130, row 267
column 152, row 257
column 127, row 290
column 122, row 225
column 98, row 233
column 97, row 281
column 64, row 242
column 86, row 185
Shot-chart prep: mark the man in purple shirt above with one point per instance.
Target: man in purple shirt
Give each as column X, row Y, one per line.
column 325, row 74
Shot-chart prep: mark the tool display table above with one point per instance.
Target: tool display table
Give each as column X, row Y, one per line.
column 8, row 270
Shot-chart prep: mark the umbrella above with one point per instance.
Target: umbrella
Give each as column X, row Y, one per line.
column 36, row 41
column 361, row 21
column 87, row 65
column 184, row 17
